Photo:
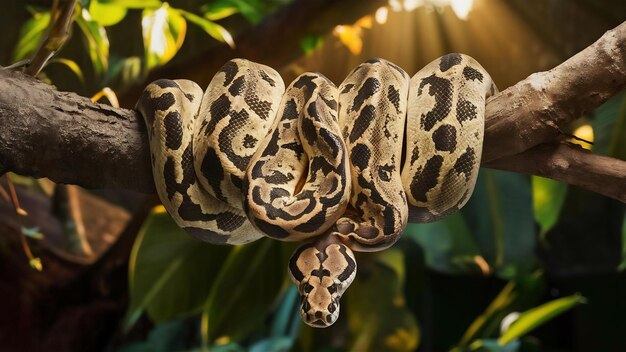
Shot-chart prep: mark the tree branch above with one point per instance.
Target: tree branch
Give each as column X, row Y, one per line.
column 71, row 140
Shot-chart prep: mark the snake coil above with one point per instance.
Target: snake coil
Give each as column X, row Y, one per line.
column 341, row 168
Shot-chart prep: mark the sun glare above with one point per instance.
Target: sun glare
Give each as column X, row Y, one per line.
column 461, row 8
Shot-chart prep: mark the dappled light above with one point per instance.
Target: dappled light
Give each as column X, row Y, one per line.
column 312, row 175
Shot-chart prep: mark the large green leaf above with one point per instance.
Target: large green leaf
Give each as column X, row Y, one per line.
column 170, row 272
column 213, row 29
column 30, row 35
column 133, row 4
column 97, row 41
column 515, row 295
column 252, row 10
column 448, row 244
column 548, row 197
column 609, row 126
column 535, row 317
column 378, row 318
column 163, row 32
column 106, row 14
column 244, row 291
column 500, row 217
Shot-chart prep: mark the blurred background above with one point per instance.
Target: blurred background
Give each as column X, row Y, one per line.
column 529, row 264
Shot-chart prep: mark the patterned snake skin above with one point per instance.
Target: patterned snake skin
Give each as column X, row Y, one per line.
column 341, row 169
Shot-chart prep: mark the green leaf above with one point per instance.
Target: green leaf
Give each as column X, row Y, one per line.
column 72, row 65
column 106, row 14
column 133, row 4
column 31, row 34
column 514, row 295
column 311, row 43
column 609, row 126
column 500, row 217
column 448, row 244
column 252, row 10
column 163, row 32
column 548, row 197
column 243, row 292
column 378, row 318
column 218, row 10
column 170, row 272
column 213, row 29
column 97, row 42
column 535, row 317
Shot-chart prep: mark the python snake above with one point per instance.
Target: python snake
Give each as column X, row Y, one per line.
column 341, row 168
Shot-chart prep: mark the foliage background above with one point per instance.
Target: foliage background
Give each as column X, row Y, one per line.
column 522, row 244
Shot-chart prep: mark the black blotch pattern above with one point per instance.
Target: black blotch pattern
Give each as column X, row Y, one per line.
column 166, row 83
column 278, row 178
column 236, row 181
column 441, row 90
column 427, row 178
column 350, row 268
column 347, row 88
column 189, row 96
column 227, row 135
column 415, row 154
column 305, row 82
column 238, row 86
column 369, row 87
column 471, row 74
column 465, row 110
column 385, row 171
column 229, row 222
column 465, row 163
column 268, row 79
column 249, row 141
column 293, row 267
column 212, row 170
column 331, row 140
column 169, row 175
column 449, row 61
column 295, row 147
column 291, row 110
column 276, row 193
column 366, row 116
column 445, row 138
column 360, row 156
column 393, row 95
column 308, row 128
column 331, row 103
column 173, row 130
column 272, row 147
column 260, row 107
column 219, row 109
column 271, row 230
column 230, row 70
column 313, row 223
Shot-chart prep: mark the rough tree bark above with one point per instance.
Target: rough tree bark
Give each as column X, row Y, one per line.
column 71, row 140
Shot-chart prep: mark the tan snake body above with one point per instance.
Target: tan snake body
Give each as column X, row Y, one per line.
column 342, row 169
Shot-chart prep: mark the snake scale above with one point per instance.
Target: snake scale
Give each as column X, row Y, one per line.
column 342, row 169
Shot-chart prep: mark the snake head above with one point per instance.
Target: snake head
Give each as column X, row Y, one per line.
column 322, row 271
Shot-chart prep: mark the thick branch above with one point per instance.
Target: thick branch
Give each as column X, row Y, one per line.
column 531, row 112
column 570, row 164
column 71, row 140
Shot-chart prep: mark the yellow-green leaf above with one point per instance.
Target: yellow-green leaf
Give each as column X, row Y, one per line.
column 97, row 41
column 170, row 272
column 244, row 290
column 218, row 10
column 30, row 35
column 133, row 4
column 548, row 197
column 72, row 65
column 163, row 31
column 213, row 29
column 106, row 14
column 535, row 317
